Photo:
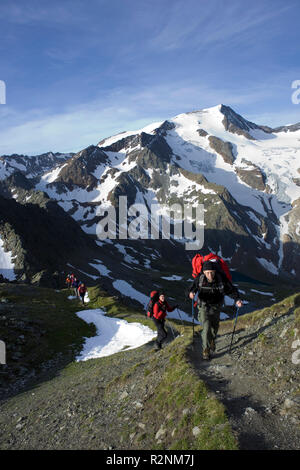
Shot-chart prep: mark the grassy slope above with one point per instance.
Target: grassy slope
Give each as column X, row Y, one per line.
column 285, row 306
column 178, row 411
column 48, row 319
column 272, row 347
column 177, row 402
column 179, row 390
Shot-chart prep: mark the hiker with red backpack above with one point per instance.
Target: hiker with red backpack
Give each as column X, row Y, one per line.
column 212, row 282
column 81, row 292
column 157, row 310
column 68, row 281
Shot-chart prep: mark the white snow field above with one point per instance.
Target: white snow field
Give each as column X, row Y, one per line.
column 113, row 335
column 6, row 263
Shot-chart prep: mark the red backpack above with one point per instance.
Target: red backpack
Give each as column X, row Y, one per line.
column 82, row 289
column 198, row 260
column 154, row 296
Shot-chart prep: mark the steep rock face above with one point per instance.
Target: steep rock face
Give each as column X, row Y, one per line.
column 127, row 142
column 236, row 124
column 252, row 175
column 15, row 183
column 39, row 236
column 126, row 186
column 291, row 258
column 165, row 126
column 140, row 175
column 202, row 132
column 130, row 142
column 291, row 128
column 225, row 149
column 296, row 181
column 147, row 150
column 35, row 166
column 79, row 169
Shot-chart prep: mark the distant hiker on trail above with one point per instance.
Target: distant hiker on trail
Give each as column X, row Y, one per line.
column 211, row 287
column 69, row 281
column 160, row 309
column 75, row 285
column 81, row 292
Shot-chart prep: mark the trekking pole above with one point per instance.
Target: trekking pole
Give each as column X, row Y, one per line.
column 193, row 314
column 180, row 317
column 170, row 326
column 236, row 316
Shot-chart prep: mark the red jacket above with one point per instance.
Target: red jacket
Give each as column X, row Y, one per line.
column 160, row 310
column 81, row 290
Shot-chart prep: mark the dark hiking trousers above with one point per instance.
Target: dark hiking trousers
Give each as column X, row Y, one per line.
column 209, row 316
column 161, row 332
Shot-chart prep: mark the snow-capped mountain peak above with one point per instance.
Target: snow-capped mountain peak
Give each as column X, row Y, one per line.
column 246, row 176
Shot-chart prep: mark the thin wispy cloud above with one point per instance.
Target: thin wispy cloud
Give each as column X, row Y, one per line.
column 41, row 12
column 218, row 22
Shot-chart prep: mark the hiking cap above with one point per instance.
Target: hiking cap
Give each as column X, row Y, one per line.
column 209, row 266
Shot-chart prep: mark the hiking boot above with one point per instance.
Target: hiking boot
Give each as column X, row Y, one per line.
column 205, row 354
column 212, row 345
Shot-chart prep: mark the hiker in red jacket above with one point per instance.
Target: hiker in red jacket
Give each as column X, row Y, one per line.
column 160, row 310
column 81, row 292
column 68, row 281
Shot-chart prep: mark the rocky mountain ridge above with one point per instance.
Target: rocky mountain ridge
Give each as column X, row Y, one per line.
column 244, row 174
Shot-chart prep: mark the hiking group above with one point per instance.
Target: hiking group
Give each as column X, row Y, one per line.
column 79, row 287
column 212, row 281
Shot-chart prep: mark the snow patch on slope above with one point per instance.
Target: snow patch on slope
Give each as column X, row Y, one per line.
column 6, row 263
column 113, row 335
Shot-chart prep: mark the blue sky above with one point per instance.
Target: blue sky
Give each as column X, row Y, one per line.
column 77, row 71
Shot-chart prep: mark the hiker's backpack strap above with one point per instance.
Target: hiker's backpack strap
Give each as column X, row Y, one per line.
column 200, row 282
